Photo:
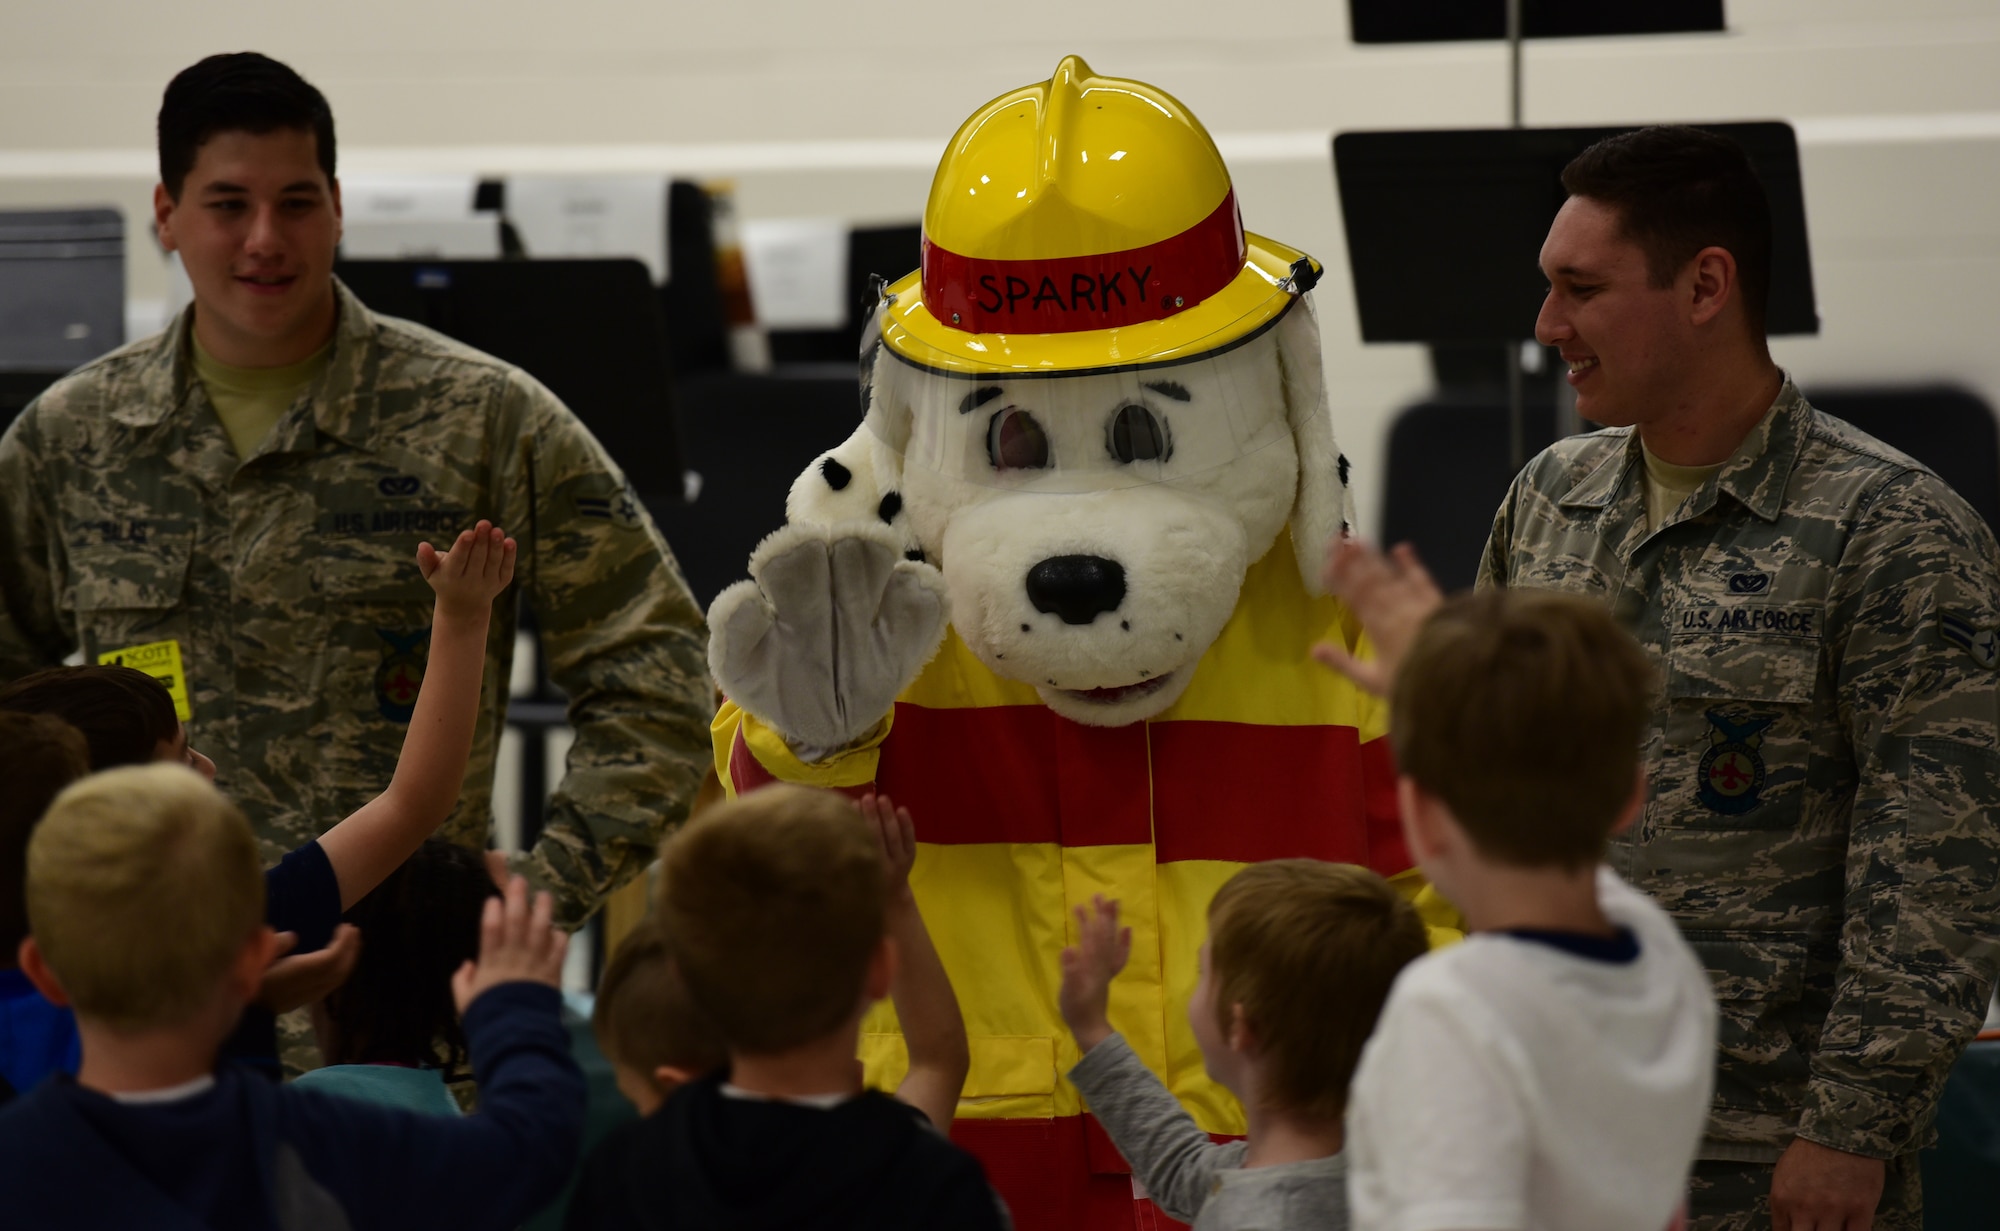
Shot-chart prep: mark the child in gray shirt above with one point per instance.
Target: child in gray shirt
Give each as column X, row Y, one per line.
column 1299, row 960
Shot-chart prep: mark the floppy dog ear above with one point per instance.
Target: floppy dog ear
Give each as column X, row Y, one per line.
column 860, row 480
column 1324, row 504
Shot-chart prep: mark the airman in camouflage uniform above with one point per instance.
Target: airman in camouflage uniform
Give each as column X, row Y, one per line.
column 289, row 582
column 1823, row 762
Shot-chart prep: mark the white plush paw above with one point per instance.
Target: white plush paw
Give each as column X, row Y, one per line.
column 833, row 623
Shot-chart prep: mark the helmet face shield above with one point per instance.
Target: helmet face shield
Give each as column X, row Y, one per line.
column 1096, row 429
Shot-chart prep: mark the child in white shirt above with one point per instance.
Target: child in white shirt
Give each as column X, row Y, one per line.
column 1554, row 1071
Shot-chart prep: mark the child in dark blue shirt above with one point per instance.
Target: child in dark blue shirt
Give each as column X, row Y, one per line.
column 147, row 909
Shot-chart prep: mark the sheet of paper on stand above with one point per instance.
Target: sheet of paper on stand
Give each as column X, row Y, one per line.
column 602, row 215
column 798, row 271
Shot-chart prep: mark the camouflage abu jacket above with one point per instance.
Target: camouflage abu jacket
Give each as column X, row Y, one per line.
column 1823, row 760
column 287, row 585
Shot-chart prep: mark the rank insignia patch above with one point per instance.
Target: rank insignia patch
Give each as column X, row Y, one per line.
column 1732, row 770
column 401, row 673
column 1982, row 643
column 621, row 510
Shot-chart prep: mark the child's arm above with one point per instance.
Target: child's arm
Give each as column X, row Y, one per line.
column 921, row 991
column 1168, row 1151
column 388, row 829
column 394, row 1169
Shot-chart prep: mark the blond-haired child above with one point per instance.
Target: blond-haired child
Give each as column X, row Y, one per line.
column 147, row 907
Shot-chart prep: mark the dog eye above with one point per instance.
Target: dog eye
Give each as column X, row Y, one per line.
column 1137, row 435
column 1014, row 441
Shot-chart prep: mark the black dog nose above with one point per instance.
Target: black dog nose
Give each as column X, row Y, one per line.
column 1077, row 588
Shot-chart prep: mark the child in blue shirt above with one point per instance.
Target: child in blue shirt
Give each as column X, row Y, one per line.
column 39, row 756
column 147, row 907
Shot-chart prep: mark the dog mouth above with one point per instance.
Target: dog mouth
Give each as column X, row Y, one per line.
column 1125, row 692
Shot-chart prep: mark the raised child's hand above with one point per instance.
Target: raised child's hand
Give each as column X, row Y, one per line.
column 473, row 573
column 1088, row 968
column 896, row 835
column 1392, row 593
column 291, row 982
column 517, row 944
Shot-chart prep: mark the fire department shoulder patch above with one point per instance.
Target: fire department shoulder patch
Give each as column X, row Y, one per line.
column 1732, row 770
column 401, row 673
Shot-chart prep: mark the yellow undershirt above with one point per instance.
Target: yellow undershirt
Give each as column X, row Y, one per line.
column 1667, row 485
column 250, row 401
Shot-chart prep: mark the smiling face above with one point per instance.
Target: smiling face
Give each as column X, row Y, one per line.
column 256, row 224
column 1094, row 530
column 1631, row 346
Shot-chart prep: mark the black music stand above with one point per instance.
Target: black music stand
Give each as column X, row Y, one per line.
column 1443, row 230
column 591, row 330
column 1434, row 21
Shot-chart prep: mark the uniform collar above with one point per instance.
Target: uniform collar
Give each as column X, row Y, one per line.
column 167, row 378
column 1755, row 475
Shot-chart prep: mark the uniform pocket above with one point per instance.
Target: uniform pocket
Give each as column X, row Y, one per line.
column 1740, row 654
column 128, row 594
column 1758, row 983
column 1738, row 725
column 378, row 628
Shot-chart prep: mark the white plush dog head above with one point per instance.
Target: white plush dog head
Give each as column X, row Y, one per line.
column 1094, row 528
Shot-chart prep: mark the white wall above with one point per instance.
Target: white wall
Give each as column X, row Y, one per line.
column 821, row 109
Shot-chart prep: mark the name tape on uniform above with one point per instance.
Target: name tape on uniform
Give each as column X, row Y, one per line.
column 162, row 661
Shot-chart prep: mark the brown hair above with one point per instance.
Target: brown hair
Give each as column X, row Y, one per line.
column 143, row 886
column 775, row 902
column 644, row 1017
column 1309, row 949
column 39, row 756
column 124, row 714
column 1679, row 190
column 1523, row 711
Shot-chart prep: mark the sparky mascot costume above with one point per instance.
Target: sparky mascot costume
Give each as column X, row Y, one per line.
column 1057, row 595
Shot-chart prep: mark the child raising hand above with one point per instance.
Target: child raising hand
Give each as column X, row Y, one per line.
column 933, row 1028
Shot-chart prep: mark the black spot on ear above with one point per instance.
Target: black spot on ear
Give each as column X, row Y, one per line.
column 836, row 475
column 1343, row 470
column 891, row 505
column 915, row 553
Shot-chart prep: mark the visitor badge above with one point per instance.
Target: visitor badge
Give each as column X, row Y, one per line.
column 162, row 661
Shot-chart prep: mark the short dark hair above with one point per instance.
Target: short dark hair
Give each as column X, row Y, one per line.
column 40, row 754
column 1678, row 190
column 242, row 91
column 775, row 903
column 417, row 928
column 644, row 1017
column 1499, row 686
column 124, row 714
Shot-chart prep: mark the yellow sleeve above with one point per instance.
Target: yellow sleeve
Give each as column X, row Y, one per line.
column 769, row 758
column 1441, row 919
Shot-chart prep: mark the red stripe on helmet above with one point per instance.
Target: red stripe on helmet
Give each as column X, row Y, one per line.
column 1075, row 293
